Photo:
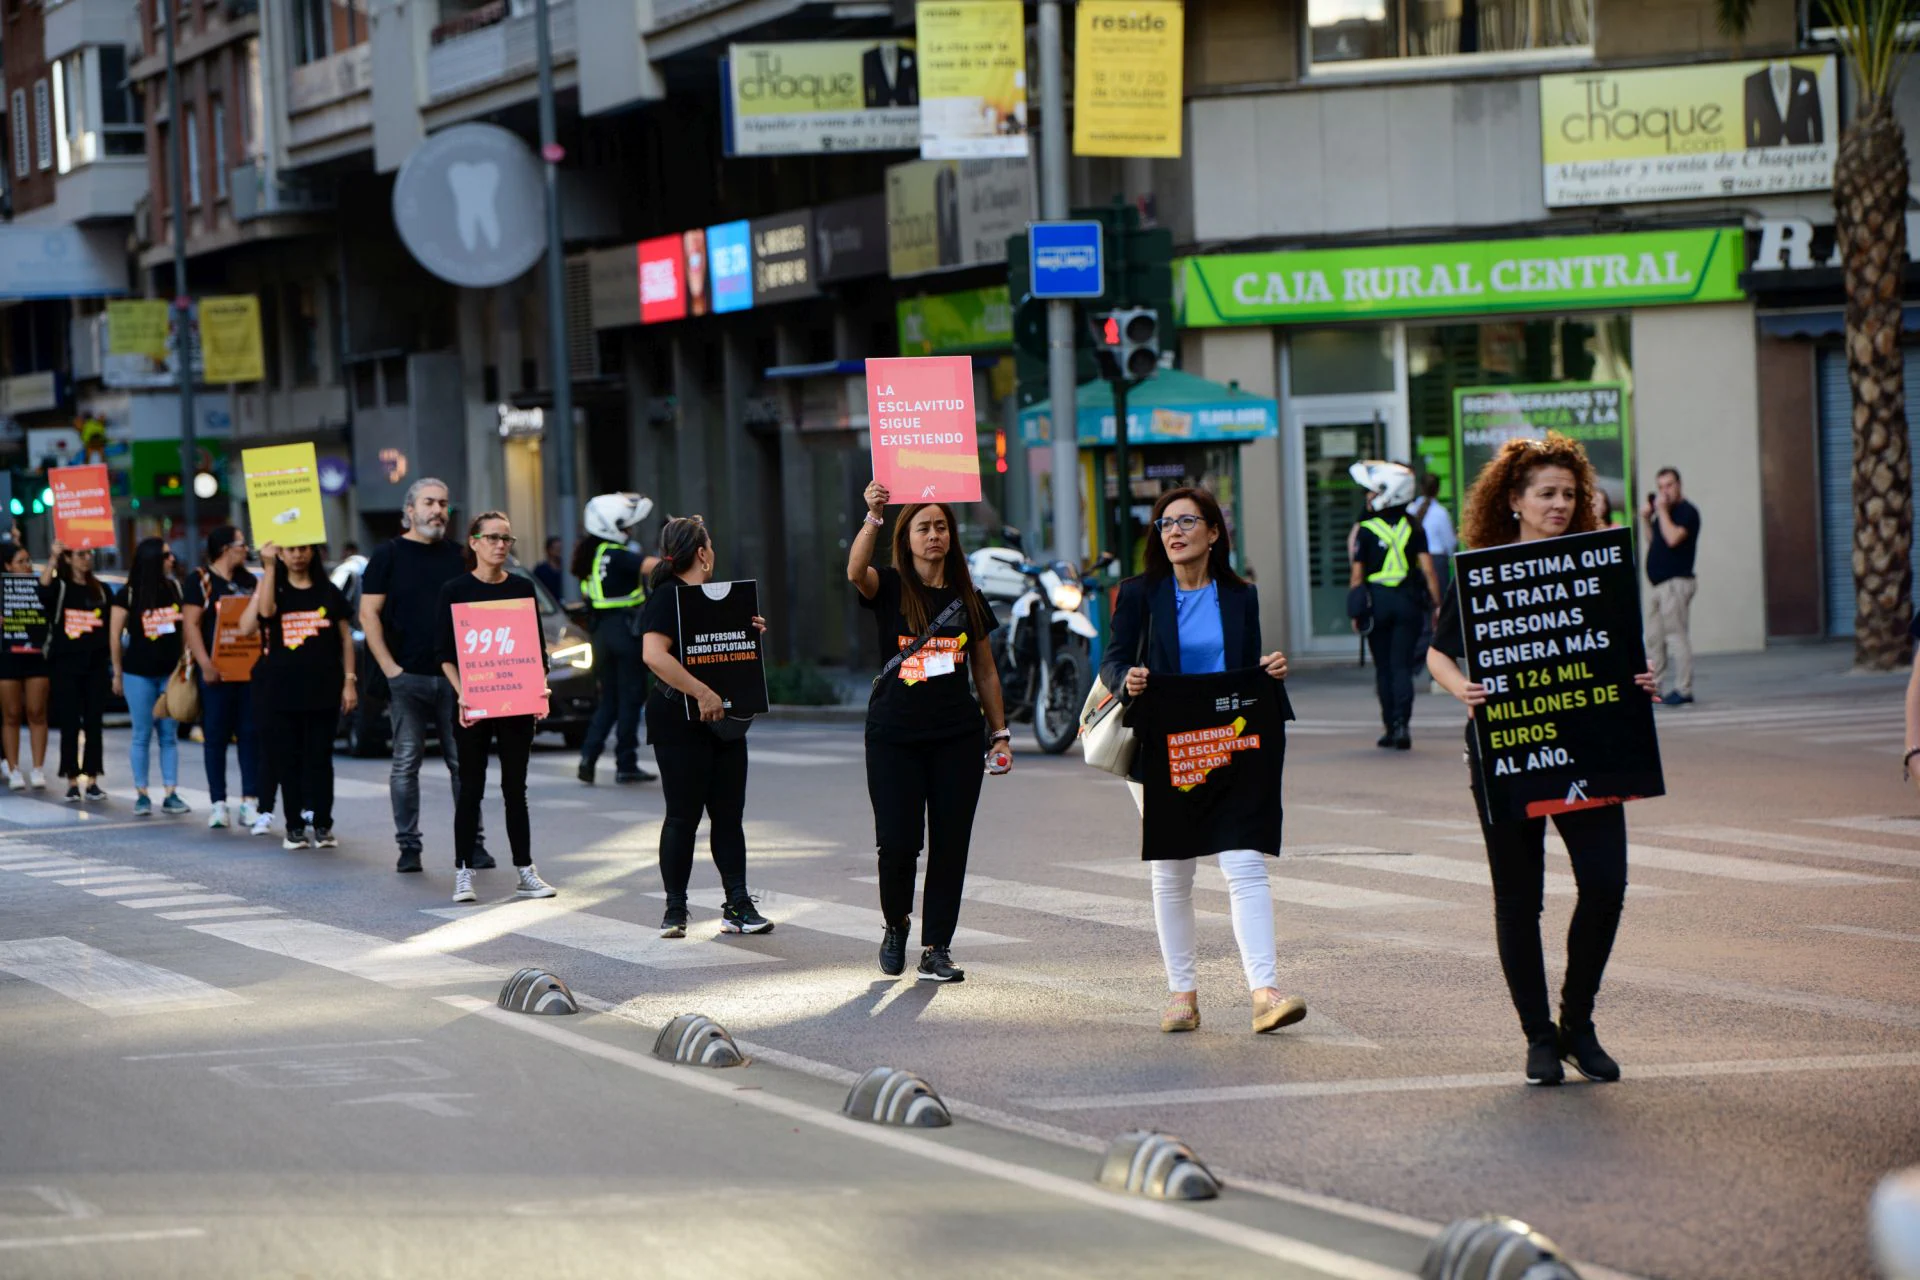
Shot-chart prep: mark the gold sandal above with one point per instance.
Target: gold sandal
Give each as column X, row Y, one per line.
column 1181, row 1014
column 1271, row 1015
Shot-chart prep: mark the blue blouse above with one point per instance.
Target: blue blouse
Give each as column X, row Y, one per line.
column 1203, row 646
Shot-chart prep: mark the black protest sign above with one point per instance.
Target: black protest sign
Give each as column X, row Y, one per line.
column 1212, row 749
column 1552, row 629
column 24, row 629
column 720, row 644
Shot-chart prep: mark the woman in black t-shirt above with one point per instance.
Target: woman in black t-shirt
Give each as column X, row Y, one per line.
column 1530, row 490
column 307, row 660
column 78, row 662
column 700, row 771
column 24, row 690
column 143, row 638
column 924, row 724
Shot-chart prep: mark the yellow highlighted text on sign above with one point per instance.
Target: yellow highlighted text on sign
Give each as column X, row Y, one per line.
column 230, row 339
column 283, row 495
column 1127, row 78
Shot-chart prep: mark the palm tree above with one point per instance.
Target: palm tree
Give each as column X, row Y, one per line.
column 1870, row 206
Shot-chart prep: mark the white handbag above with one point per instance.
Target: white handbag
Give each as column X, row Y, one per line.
column 1106, row 743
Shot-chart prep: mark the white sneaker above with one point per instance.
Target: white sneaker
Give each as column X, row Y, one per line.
column 217, row 816
column 249, row 814
column 532, row 886
column 463, row 886
column 39, row 780
column 17, row 781
column 262, row 825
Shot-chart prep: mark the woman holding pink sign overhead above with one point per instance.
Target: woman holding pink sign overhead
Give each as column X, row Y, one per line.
column 489, row 546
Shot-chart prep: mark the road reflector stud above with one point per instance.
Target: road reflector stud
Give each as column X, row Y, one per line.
column 537, row 991
column 1158, row 1166
column 888, row 1096
column 1494, row 1247
column 696, row 1040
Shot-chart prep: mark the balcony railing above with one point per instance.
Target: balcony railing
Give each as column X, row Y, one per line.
column 325, row 81
column 493, row 45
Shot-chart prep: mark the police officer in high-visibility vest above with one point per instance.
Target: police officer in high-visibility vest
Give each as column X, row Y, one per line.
column 1390, row 559
column 613, row 580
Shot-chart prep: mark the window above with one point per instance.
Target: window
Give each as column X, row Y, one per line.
column 22, row 163
column 122, row 114
column 42, row 125
column 219, row 148
column 192, row 122
column 1370, row 30
column 270, row 333
column 303, row 326
column 312, row 30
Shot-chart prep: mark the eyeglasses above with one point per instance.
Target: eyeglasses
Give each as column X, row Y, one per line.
column 1185, row 524
column 502, row 539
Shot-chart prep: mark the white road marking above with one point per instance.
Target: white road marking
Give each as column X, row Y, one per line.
column 218, row 913
column 433, row 1104
column 25, row 853
column 1784, row 841
column 863, row 924
column 602, row 935
column 1714, row 864
column 234, row 1053
column 1071, row 904
column 43, row 863
column 1264, row 1243
column 95, row 878
column 1455, row 870
column 1432, row 1084
column 1907, row 827
column 104, row 1237
column 1299, row 893
column 66, row 1203
column 561, row 804
column 142, row 887
column 394, row 964
column 1883, row 935
column 801, row 759
column 183, row 900
column 110, row 984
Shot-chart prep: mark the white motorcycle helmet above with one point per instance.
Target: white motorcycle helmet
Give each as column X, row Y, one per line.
column 1391, row 484
column 611, row 515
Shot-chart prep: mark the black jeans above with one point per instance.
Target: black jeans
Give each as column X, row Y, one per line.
column 1516, row 853
column 621, row 673
column 512, row 737
column 301, row 743
column 931, row 786
column 703, row 775
column 269, row 775
column 1396, row 634
column 80, row 689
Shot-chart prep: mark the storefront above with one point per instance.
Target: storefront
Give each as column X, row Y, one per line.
column 1434, row 354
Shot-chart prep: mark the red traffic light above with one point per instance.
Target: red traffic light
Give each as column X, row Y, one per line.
column 1110, row 331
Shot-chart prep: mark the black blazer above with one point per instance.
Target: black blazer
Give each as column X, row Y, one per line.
column 1239, row 624
column 1804, row 123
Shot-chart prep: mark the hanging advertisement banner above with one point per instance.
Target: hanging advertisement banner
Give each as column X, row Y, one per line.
column 138, row 327
column 1714, row 131
column 973, row 78
column 812, row 97
column 283, row 495
column 732, row 267
column 230, row 344
column 953, row 323
column 663, row 280
column 850, row 238
column 82, row 506
column 1127, row 80
column 782, row 251
column 946, row 214
column 1594, row 413
column 921, row 424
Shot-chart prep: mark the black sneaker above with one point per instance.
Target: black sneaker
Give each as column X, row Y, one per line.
column 893, row 951
column 94, row 794
column 73, row 794
column 481, row 861
column 674, row 923
column 937, row 966
column 1402, row 740
column 585, row 772
column 409, row 861
column 1385, row 740
column 323, row 838
column 740, row 916
column 1581, row 1047
column 639, row 773
column 1543, row 1062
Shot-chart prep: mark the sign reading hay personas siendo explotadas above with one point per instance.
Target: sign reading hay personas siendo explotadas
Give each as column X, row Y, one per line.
column 1212, row 751
column 721, row 646
column 25, row 618
column 1552, row 629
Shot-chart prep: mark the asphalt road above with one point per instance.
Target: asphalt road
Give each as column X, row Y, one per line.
column 355, row 1108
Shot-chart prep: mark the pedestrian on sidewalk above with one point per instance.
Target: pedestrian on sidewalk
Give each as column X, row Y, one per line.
column 613, row 580
column 399, row 593
column 79, row 665
column 489, row 545
column 1530, row 490
column 1392, row 564
column 24, row 690
column 226, row 706
column 143, row 639
column 1190, row 613
column 552, row 570
column 1672, row 537
column 926, row 727
column 307, row 654
column 703, row 761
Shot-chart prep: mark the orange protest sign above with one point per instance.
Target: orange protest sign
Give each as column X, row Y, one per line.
column 501, row 674
column 82, row 506
column 233, row 653
column 920, row 422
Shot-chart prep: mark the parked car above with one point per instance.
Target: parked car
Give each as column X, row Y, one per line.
column 366, row 729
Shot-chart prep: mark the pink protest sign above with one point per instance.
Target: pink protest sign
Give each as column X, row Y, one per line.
column 920, row 419
column 498, row 642
column 82, row 506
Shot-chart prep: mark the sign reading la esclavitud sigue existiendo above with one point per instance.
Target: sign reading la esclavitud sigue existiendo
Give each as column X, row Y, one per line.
column 1552, row 629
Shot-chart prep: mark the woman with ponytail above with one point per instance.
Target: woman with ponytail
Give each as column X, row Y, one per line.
column 703, row 768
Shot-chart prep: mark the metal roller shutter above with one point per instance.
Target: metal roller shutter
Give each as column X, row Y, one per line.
column 1836, row 479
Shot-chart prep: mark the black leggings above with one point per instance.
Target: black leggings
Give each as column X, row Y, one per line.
column 703, row 775
column 80, row 688
column 933, row 786
column 301, row 743
column 1516, row 853
column 512, row 737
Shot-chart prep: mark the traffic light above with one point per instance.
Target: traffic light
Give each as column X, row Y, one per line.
column 1130, row 343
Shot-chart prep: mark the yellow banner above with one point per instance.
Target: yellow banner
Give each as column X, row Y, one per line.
column 1127, row 78
column 1719, row 130
column 230, row 340
column 973, row 78
column 913, row 215
column 283, row 495
column 137, row 327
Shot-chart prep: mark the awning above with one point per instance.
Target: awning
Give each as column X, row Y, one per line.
column 1169, row 408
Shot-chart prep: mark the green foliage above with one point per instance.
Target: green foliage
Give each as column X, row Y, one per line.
column 800, row 685
column 1876, row 37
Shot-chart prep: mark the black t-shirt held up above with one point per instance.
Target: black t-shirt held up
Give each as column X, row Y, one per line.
column 1212, row 754
column 930, row 695
column 410, row 574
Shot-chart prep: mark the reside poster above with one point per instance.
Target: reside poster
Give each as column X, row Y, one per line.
column 720, row 645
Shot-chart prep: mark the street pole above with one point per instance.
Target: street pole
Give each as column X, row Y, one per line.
column 1123, row 539
column 1062, row 391
column 182, row 303
column 560, row 434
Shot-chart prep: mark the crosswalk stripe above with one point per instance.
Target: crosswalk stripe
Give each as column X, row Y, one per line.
column 1456, row 870
column 395, row 964
column 218, row 913
column 45, row 864
column 1299, row 893
column 183, row 900
column 142, row 887
column 843, row 920
column 24, row 853
column 1753, row 869
column 115, row 877
column 801, row 759
column 1845, row 739
column 603, row 935
column 1783, row 841
column 111, row 984
column 1883, row 935
column 1909, row 827
column 1071, row 904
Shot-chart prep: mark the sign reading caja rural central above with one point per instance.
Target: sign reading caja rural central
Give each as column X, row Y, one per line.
column 1552, row 629
column 920, row 419
column 1557, row 273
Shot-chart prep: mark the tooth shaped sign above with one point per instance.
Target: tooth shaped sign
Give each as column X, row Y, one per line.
column 469, row 205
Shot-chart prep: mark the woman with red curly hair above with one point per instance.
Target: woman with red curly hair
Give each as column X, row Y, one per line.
column 1532, row 490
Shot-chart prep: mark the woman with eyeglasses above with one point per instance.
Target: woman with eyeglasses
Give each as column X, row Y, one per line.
column 24, row 691
column 143, row 639
column 226, row 706
column 1190, row 613
column 79, row 665
column 490, row 543
column 1529, row 491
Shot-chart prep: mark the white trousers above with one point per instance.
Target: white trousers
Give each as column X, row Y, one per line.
column 1246, row 872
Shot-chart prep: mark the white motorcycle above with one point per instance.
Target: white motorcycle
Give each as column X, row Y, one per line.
column 1044, row 651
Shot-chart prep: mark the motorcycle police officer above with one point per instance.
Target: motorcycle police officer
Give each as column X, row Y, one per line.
column 613, row 579
column 1387, row 548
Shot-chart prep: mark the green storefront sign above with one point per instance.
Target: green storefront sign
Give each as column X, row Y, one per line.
column 1597, row 414
column 951, row 324
column 1557, row 273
